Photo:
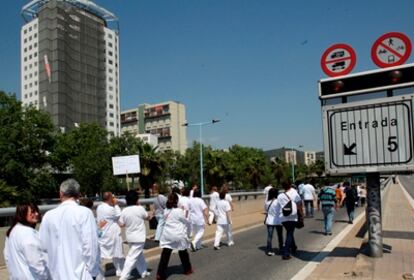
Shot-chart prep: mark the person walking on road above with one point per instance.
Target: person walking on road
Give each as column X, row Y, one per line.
column 309, row 197
column 198, row 218
column 327, row 197
column 289, row 205
column 174, row 237
column 133, row 219
column 68, row 233
column 273, row 222
column 223, row 210
column 25, row 258
column 111, row 240
column 351, row 197
column 159, row 206
column 212, row 207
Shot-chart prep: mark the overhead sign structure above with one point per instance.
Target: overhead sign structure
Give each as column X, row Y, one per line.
column 391, row 49
column 126, row 165
column 373, row 136
column 338, row 60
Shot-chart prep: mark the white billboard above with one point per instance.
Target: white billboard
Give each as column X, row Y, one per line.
column 126, row 165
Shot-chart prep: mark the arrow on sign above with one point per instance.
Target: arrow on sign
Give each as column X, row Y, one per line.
column 348, row 150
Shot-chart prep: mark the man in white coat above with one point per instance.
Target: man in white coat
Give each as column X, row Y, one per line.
column 68, row 233
column 111, row 240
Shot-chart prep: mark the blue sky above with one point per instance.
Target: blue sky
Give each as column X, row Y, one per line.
column 254, row 64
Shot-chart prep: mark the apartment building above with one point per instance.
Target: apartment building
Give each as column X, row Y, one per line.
column 70, row 62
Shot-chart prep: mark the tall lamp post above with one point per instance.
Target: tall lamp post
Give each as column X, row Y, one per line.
column 200, row 125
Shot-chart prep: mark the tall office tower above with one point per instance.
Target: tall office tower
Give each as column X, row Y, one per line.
column 164, row 120
column 70, row 62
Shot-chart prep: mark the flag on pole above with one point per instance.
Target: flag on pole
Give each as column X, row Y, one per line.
column 47, row 68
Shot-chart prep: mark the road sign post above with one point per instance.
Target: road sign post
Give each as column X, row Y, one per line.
column 374, row 215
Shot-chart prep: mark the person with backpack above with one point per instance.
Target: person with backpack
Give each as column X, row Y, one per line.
column 351, row 197
column 327, row 197
column 289, row 205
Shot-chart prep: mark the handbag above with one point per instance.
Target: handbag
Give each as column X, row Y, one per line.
column 153, row 223
column 299, row 223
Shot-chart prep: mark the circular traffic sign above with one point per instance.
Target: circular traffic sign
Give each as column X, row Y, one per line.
column 338, row 60
column 391, row 49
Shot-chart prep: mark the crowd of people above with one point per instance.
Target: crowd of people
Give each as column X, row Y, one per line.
column 74, row 244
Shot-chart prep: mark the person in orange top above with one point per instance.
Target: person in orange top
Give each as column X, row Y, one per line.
column 339, row 195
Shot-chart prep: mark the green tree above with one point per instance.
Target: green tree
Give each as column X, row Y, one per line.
column 26, row 139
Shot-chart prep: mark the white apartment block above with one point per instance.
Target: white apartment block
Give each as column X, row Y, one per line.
column 165, row 120
column 310, row 157
column 290, row 156
column 70, row 63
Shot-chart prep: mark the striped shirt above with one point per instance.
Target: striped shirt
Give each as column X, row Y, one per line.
column 327, row 196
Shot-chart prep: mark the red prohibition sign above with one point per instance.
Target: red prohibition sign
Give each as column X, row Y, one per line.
column 338, row 60
column 391, row 49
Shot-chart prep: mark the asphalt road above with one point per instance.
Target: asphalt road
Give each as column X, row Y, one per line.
column 408, row 183
column 247, row 259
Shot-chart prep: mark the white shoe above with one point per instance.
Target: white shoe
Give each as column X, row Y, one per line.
column 230, row 243
column 145, row 274
column 118, row 273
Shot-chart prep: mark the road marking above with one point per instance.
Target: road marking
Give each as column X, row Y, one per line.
column 310, row 267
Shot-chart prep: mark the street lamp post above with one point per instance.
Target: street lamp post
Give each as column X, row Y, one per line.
column 200, row 125
column 293, row 163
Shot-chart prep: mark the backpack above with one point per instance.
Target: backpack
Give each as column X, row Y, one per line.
column 287, row 209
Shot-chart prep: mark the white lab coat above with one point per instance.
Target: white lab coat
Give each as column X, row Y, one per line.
column 174, row 235
column 111, row 240
column 68, row 233
column 25, row 259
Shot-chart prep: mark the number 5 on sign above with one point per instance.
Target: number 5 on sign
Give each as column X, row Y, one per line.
column 392, row 143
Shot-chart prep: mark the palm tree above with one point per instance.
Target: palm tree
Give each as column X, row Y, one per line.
column 151, row 167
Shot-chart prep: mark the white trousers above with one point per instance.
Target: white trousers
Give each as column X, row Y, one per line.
column 198, row 232
column 211, row 216
column 135, row 258
column 219, row 233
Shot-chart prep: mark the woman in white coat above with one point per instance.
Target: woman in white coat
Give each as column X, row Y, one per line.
column 25, row 259
column 174, row 237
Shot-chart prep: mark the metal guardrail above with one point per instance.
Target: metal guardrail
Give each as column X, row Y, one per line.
column 10, row 211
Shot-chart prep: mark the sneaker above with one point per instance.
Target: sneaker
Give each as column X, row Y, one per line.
column 286, row 258
column 270, row 253
column 189, row 272
column 217, row 248
column 230, row 243
column 145, row 274
column 329, row 233
column 193, row 247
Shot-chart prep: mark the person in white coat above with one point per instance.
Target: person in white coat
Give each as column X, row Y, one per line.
column 223, row 210
column 174, row 237
column 198, row 219
column 133, row 219
column 273, row 222
column 68, row 234
column 212, row 207
column 24, row 256
column 110, row 241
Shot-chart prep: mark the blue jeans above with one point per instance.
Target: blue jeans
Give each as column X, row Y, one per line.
column 290, row 238
column 309, row 208
column 328, row 215
column 279, row 230
column 350, row 209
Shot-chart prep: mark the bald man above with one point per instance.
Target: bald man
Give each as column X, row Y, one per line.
column 111, row 240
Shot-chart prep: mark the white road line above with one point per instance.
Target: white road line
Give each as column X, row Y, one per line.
column 310, row 267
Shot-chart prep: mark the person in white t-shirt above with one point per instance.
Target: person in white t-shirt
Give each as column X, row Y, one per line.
column 214, row 198
column 223, row 210
column 273, row 222
column 198, row 219
column 225, row 189
column 289, row 221
column 132, row 218
column 309, row 197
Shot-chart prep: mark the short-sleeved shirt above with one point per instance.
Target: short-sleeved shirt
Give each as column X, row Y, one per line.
column 327, row 196
column 214, row 198
column 223, row 206
column 308, row 192
column 272, row 218
column 133, row 218
column 283, row 199
column 197, row 206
